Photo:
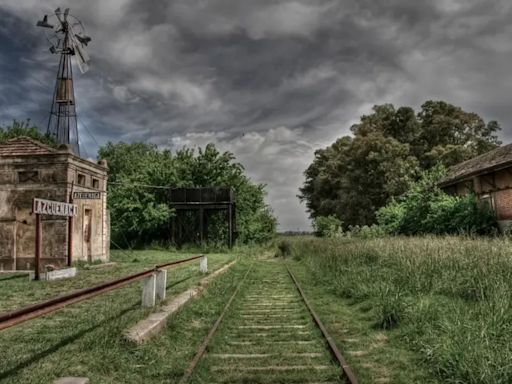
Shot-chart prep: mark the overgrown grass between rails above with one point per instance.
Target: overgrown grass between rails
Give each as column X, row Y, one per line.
column 448, row 298
column 86, row 339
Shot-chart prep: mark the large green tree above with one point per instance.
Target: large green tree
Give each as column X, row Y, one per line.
column 140, row 209
column 359, row 174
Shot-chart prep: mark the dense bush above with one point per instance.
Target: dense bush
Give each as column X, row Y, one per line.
column 327, row 226
column 425, row 208
column 365, row 232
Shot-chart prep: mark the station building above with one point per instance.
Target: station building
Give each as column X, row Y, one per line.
column 489, row 177
column 30, row 169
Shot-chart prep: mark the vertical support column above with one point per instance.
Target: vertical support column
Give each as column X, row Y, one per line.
column 203, row 264
column 70, row 240
column 201, row 225
column 230, row 225
column 37, row 260
column 205, row 225
column 180, row 233
column 173, row 230
column 70, row 230
column 149, row 291
column 161, row 284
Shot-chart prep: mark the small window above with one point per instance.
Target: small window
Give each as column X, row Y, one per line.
column 81, row 179
column 486, row 202
column 96, row 183
column 28, row 176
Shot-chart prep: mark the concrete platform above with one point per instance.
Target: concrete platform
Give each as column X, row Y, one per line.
column 64, row 273
column 155, row 322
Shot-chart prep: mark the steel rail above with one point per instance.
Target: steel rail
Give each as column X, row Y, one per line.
column 202, row 348
column 347, row 371
column 10, row 319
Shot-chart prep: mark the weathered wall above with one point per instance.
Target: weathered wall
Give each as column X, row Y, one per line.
column 497, row 186
column 55, row 174
column 503, row 200
column 97, row 247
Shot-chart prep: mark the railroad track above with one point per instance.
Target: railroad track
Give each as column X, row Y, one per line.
column 268, row 333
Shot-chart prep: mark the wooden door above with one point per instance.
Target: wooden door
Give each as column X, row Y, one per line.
column 87, row 230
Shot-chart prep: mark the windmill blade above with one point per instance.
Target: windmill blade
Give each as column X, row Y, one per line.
column 83, row 39
column 80, row 52
column 82, row 65
column 58, row 12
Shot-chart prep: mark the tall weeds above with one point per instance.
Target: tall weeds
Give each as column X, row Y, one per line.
column 449, row 297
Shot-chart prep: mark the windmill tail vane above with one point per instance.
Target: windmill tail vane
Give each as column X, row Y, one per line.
column 67, row 37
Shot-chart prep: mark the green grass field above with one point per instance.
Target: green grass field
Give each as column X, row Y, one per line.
column 446, row 301
column 402, row 310
column 86, row 339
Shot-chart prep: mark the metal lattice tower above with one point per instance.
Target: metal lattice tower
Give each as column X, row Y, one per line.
column 62, row 123
column 66, row 38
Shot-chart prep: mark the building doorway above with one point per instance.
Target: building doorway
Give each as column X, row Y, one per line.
column 87, row 234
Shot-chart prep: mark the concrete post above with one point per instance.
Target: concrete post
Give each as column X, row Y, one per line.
column 149, row 291
column 203, row 264
column 161, row 284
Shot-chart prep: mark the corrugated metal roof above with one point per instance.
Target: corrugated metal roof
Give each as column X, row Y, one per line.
column 25, row 146
column 497, row 158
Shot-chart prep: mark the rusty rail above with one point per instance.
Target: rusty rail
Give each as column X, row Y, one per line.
column 10, row 319
column 349, row 374
column 204, row 345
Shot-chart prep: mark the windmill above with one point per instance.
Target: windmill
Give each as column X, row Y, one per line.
column 67, row 37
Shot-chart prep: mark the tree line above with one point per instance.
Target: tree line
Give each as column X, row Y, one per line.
column 389, row 150
column 140, row 176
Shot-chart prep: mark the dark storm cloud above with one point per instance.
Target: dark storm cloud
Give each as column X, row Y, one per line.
column 269, row 80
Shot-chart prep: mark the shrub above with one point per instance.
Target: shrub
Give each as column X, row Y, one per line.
column 371, row 232
column 327, row 226
column 283, row 248
column 425, row 208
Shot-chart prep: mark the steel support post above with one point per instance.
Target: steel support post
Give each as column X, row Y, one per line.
column 37, row 260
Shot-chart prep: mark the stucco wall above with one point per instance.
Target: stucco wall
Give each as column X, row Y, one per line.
column 56, row 174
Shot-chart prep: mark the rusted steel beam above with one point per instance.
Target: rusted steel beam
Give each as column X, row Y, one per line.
column 351, row 377
column 10, row 319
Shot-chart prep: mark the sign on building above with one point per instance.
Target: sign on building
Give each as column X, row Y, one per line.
column 86, row 195
column 54, row 208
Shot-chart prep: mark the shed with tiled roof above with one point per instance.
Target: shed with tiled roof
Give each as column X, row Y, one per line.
column 489, row 177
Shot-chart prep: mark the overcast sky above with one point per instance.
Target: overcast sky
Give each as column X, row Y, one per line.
column 270, row 81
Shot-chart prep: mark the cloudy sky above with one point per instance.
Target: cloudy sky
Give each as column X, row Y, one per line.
column 270, row 81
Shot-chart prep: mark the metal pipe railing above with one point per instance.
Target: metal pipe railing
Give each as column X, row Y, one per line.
column 10, row 319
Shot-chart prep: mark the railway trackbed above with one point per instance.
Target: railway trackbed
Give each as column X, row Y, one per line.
column 268, row 333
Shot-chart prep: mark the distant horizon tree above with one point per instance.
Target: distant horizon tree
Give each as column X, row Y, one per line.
column 25, row 128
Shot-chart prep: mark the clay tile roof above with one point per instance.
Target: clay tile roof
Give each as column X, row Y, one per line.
column 500, row 157
column 25, row 146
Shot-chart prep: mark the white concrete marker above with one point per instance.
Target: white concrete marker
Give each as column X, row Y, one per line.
column 72, row 380
column 161, row 284
column 149, row 291
column 203, row 264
